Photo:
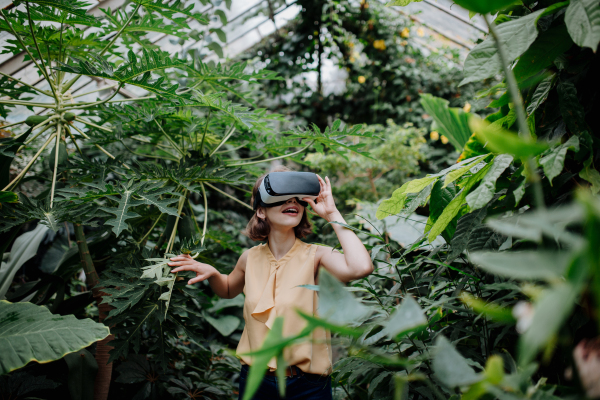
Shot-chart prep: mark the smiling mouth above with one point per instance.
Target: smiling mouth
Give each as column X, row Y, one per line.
column 291, row 211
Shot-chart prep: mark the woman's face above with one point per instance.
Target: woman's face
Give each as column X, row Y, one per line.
column 287, row 215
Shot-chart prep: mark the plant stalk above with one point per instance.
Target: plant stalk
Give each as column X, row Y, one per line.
column 515, row 95
column 83, row 121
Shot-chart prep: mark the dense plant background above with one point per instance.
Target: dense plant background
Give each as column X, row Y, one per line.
column 487, row 282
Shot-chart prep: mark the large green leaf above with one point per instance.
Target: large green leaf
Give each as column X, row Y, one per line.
column 487, row 188
column 551, row 43
column 32, row 333
column 82, row 374
column 550, row 312
column 395, row 204
column 170, row 10
column 24, row 248
column 590, row 174
column 515, row 37
column 464, row 227
column 570, row 108
column 451, row 122
column 485, row 6
column 74, row 7
column 336, row 304
column 225, row 324
column 548, row 265
column 554, row 162
column 450, row 367
column 408, row 316
column 452, row 209
column 500, row 140
column 540, row 94
column 583, row 22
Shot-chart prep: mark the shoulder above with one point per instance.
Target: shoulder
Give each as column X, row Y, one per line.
column 324, row 251
column 244, row 259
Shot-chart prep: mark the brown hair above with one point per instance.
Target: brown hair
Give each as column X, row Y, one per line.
column 258, row 229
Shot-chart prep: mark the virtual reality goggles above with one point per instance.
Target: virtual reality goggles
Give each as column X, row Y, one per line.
column 278, row 187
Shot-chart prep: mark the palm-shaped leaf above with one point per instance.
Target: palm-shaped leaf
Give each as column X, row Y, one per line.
column 169, row 10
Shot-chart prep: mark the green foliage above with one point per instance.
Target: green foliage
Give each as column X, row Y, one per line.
column 32, row 333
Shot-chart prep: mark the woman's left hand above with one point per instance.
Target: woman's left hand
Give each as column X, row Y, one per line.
column 325, row 205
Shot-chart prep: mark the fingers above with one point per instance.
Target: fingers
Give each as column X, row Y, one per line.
column 309, row 201
column 199, row 278
column 181, row 257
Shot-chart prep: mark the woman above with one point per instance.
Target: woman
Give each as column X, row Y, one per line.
column 269, row 275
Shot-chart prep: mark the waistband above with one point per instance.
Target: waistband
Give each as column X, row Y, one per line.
column 291, row 370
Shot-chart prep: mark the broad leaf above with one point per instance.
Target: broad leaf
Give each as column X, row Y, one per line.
column 487, row 188
column 484, row 6
column 465, row 226
column 450, row 367
column 502, row 141
column 24, row 248
column 554, row 162
column 570, row 107
column 591, row 175
column 225, row 324
column 32, row 333
column 550, row 312
column 452, row 209
column 547, row 265
column 540, row 94
column 583, row 22
column 515, row 36
column 451, row 122
column 407, row 316
column 395, row 204
column 336, row 304
column 552, row 43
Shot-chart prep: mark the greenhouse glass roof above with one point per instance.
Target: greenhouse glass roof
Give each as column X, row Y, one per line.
column 248, row 22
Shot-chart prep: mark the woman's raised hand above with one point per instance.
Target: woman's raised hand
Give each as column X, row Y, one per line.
column 184, row 262
column 325, row 205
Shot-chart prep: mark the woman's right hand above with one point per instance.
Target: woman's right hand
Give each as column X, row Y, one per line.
column 184, row 262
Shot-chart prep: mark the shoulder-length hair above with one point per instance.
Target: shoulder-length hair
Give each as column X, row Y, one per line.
column 258, row 229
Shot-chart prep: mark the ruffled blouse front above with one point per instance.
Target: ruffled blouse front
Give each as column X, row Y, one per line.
column 271, row 289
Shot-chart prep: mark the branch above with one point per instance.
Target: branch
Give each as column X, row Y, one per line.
column 205, row 214
column 97, row 90
column 271, row 159
column 205, row 130
column 27, row 103
column 175, row 146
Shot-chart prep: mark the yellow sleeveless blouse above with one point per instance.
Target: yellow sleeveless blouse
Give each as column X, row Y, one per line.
column 271, row 291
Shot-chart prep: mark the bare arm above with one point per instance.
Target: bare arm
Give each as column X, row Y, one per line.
column 355, row 263
column 225, row 286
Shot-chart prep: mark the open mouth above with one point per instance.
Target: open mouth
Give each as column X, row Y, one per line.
column 291, row 210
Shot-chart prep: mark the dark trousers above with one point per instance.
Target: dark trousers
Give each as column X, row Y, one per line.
column 298, row 387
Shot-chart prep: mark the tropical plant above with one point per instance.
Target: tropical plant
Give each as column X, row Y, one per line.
column 127, row 169
column 528, row 275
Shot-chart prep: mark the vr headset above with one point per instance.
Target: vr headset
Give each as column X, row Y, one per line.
column 278, row 187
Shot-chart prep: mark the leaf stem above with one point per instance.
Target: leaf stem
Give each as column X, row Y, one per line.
column 79, row 106
column 151, row 229
column 56, row 151
column 74, row 141
column 97, row 90
column 205, row 213
column 170, row 140
column 223, row 141
column 28, row 103
column 30, row 163
column 26, row 84
column 44, row 71
column 227, row 194
column 205, row 130
column 271, row 159
column 35, row 137
column 78, row 119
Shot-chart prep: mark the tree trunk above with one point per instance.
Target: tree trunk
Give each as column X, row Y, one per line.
column 102, row 383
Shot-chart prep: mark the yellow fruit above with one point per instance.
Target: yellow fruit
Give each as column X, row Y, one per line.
column 405, row 33
column 434, row 135
column 444, row 139
column 379, row 44
column 467, row 107
column 361, row 79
